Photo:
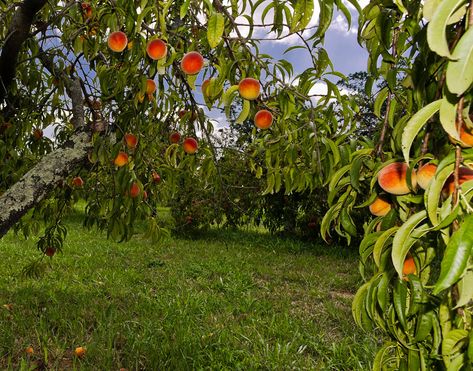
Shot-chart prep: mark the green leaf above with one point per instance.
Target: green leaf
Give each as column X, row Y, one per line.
column 448, row 115
column 456, row 256
column 465, row 289
column 434, row 190
column 215, row 29
column 452, row 342
column 229, row 95
column 303, row 12
column 380, row 242
column 400, row 299
column 184, row 8
column 400, row 241
column 414, row 125
column 459, row 71
column 245, row 110
column 437, row 28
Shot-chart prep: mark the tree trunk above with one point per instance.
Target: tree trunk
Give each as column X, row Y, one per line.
column 37, row 183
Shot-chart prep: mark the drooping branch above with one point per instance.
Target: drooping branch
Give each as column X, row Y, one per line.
column 17, row 34
column 36, row 184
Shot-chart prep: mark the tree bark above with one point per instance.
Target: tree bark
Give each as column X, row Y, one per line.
column 17, row 33
column 36, row 184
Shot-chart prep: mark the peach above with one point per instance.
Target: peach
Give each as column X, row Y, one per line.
column 134, row 190
column 249, row 88
column 77, row 182
column 156, row 177
column 425, row 174
column 80, row 352
column 150, row 86
column 29, row 350
column 86, row 10
column 156, row 49
column 466, row 136
column 175, row 137
column 121, row 159
column 190, row 145
column 392, row 178
column 37, row 134
column 117, row 41
column 380, row 207
column 145, row 195
column 409, row 267
column 50, row 251
column 131, row 140
column 464, row 174
column 192, row 63
column 263, row 119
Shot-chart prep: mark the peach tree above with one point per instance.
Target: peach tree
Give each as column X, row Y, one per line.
column 415, row 178
column 125, row 87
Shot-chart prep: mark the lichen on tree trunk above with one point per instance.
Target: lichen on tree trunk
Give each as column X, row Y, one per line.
column 37, row 183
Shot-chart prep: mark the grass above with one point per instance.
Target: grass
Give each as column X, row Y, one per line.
column 228, row 300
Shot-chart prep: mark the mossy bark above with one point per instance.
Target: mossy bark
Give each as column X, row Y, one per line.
column 37, row 183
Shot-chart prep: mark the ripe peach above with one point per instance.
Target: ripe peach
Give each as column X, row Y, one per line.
column 190, row 145
column 156, row 177
column 117, row 41
column 150, row 86
column 392, row 178
column 409, row 267
column 50, row 251
column 380, row 207
column 175, row 137
column 121, row 159
column 466, row 136
column 29, row 350
column 465, row 174
column 425, row 174
column 145, row 195
column 134, row 190
column 131, row 140
column 86, row 10
column 263, row 119
column 37, row 133
column 80, row 351
column 192, row 63
column 77, row 182
column 249, row 88
column 156, row 49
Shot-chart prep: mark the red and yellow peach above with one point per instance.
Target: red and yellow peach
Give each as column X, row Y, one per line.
column 393, row 178
column 192, row 63
column 249, row 88
column 117, row 41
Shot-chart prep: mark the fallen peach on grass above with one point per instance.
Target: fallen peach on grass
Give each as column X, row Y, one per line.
column 77, row 182
column 380, row 207
column 263, row 119
column 393, row 178
column 80, row 352
column 192, row 63
column 249, row 88
column 117, row 41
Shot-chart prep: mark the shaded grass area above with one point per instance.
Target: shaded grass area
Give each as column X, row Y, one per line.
column 228, row 300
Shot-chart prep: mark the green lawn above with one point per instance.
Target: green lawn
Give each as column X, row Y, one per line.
column 228, row 300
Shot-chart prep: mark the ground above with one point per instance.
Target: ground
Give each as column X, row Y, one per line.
column 224, row 300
